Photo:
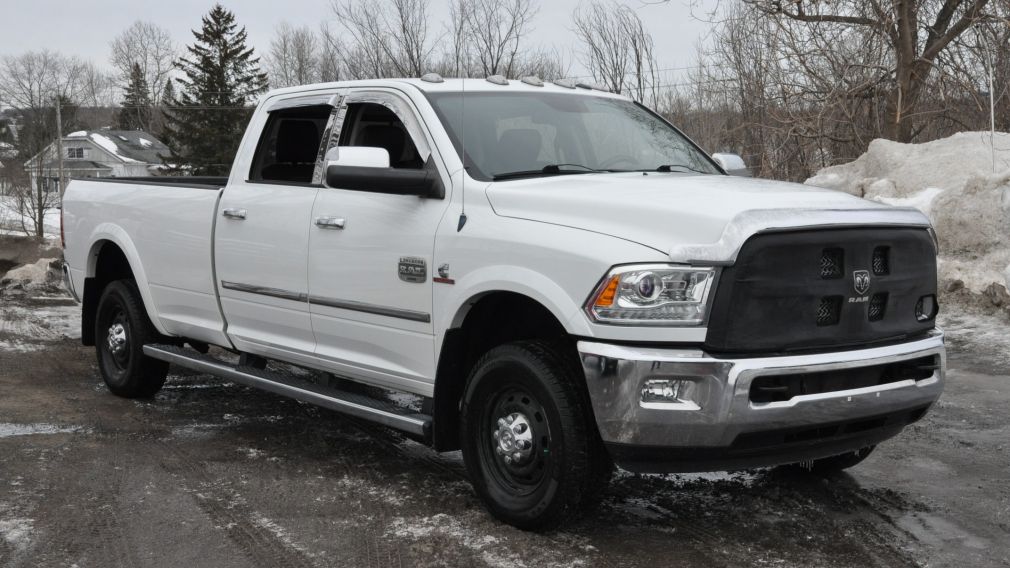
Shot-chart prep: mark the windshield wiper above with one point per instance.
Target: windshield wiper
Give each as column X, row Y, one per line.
column 550, row 170
column 669, row 168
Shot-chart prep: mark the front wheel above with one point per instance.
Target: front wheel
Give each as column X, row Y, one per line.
column 122, row 328
column 529, row 443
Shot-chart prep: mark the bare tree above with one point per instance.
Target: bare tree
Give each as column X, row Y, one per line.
column 916, row 32
column 31, row 83
column 390, row 36
column 293, row 58
column 495, row 29
column 151, row 47
column 618, row 49
column 330, row 50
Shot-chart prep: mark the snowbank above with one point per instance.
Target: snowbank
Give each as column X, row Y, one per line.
column 39, row 275
column 952, row 181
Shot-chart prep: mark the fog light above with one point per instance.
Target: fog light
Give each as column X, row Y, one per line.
column 926, row 308
column 668, row 391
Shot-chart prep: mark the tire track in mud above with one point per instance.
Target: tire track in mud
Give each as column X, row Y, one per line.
column 83, row 513
column 227, row 510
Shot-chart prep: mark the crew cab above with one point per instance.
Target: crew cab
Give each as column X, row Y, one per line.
column 563, row 277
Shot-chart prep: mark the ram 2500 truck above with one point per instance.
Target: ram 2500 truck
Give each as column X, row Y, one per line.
column 564, row 278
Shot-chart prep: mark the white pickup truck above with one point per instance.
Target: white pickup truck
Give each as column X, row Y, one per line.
column 564, row 278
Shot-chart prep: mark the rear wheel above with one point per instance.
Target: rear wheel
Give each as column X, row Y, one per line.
column 122, row 328
column 529, row 445
column 834, row 464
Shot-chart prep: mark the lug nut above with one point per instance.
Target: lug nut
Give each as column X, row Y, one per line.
column 508, row 459
column 501, row 422
column 519, row 428
column 524, row 444
column 510, row 419
column 516, row 456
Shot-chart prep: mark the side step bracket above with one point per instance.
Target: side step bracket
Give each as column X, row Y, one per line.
column 352, row 404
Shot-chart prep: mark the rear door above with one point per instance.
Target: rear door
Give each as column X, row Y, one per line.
column 370, row 280
column 262, row 234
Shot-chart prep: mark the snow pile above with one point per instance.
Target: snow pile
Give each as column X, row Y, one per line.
column 38, row 275
column 952, row 181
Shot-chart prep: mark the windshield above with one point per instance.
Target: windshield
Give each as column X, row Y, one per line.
column 520, row 134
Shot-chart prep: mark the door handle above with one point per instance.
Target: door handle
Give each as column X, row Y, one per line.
column 232, row 213
column 330, row 222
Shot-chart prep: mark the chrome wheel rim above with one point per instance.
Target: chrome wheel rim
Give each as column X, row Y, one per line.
column 514, row 439
column 118, row 340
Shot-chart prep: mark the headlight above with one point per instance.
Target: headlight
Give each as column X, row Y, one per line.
column 652, row 294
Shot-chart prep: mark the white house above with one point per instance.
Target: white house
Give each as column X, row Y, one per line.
column 100, row 154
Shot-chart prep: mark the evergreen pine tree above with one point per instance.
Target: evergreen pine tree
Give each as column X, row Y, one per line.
column 136, row 111
column 206, row 117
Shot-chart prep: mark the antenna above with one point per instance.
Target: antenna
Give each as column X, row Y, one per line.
column 462, row 153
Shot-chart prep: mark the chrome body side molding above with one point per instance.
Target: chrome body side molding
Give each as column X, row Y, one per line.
column 387, row 311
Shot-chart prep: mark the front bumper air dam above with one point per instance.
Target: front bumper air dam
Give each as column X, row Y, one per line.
column 720, row 428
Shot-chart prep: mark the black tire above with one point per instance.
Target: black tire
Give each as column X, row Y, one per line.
column 835, row 464
column 122, row 328
column 562, row 466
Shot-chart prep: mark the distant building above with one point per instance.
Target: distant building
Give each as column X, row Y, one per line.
column 100, row 154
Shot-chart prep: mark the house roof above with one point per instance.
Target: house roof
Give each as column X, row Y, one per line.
column 128, row 145
column 76, row 165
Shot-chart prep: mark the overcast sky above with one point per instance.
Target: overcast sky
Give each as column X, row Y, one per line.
column 85, row 28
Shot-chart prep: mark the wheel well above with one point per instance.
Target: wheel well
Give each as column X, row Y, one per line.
column 110, row 265
column 493, row 319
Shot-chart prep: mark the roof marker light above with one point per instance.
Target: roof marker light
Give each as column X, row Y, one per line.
column 533, row 80
column 566, row 83
column 432, row 78
column 497, row 80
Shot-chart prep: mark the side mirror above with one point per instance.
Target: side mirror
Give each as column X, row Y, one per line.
column 732, row 163
column 358, row 156
column 367, row 169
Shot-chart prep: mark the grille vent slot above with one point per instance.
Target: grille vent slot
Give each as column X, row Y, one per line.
column 877, row 307
column 829, row 311
column 882, row 260
column 832, row 263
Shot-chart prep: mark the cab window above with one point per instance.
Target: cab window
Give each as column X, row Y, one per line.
column 289, row 146
column 374, row 125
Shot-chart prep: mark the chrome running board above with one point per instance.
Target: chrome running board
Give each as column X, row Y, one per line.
column 352, row 404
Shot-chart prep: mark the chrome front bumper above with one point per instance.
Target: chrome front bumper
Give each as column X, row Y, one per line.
column 721, row 428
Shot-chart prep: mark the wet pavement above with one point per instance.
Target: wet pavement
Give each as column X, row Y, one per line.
column 210, row 473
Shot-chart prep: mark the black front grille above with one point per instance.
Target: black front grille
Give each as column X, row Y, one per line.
column 877, row 308
column 829, row 311
column 881, row 260
column 832, row 263
column 822, row 289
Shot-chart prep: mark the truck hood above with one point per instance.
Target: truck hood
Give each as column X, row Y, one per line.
column 690, row 217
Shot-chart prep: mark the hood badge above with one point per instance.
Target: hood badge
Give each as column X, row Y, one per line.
column 861, row 281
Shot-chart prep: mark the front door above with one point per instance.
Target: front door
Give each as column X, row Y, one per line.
column 262, row 234
column 370, row 269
